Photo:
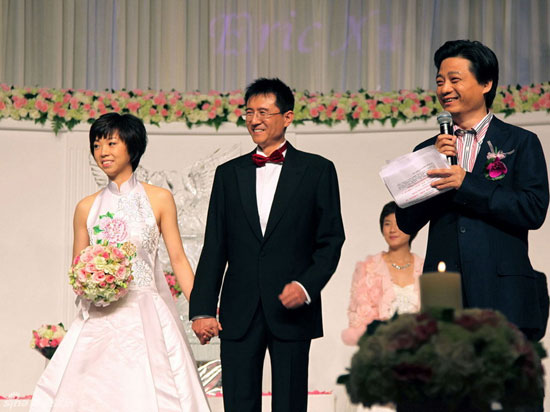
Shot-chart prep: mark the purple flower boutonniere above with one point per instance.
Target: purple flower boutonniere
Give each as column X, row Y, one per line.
column 495, row 169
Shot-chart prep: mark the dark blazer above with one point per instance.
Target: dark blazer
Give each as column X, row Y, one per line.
column 302, row 242
column 481, row 229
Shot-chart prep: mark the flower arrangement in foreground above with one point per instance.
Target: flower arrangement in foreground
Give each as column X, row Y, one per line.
column 464, row 360
column 47, row 338
column 173, row 284
column 103, row 272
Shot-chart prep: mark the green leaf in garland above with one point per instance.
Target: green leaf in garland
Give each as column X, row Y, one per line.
column 97, row 230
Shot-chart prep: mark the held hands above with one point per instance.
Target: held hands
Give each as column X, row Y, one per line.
column 206, row 329
column 450, row 178
column 292, row 296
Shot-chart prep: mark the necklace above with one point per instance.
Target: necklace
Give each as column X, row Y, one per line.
column 401, row 267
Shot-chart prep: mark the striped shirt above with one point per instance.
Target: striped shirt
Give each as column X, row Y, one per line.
column 468, row 142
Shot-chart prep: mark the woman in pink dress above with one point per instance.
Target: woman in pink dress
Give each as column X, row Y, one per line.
column 131, row 355
column 385, row 283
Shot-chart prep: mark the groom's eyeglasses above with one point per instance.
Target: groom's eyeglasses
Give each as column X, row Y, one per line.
column 261, row 114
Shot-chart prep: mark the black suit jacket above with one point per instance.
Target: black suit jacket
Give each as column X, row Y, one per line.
column 302, row 242
column 481, row 229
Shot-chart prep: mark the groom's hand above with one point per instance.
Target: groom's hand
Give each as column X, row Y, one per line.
column 292, row 296
column 206, row 329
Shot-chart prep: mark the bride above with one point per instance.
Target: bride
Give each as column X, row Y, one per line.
column 133, row 354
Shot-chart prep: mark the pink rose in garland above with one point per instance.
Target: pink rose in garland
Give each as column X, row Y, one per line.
column 495, row 169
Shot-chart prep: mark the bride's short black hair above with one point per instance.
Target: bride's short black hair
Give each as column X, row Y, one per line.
column 129, row 129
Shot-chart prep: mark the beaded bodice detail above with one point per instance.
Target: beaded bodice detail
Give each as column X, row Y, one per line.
column 125, row 214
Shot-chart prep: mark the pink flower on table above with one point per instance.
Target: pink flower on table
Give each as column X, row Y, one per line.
column 2, row 105
column 205, row 106
column 387, row 100
column 356, row 114
column 376, row 114
column 5, row 87
column 212, row 114
column 178, row 113
column 238, row 112
column 152, row 111
column 425, row 110
column 217, row 102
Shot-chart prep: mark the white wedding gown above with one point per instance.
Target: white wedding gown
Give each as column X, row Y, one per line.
column 132, row 355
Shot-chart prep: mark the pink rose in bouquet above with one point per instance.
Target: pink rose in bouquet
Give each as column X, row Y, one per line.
column 47, row 338
column 103, row 272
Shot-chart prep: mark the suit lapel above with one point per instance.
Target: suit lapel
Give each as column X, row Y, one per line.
column 246, row 177
column 291, row 174
column 497, row 136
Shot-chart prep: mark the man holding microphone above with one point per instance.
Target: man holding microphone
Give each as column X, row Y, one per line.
column 499, row 192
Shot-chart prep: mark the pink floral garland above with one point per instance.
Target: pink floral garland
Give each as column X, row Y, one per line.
column 65, row 108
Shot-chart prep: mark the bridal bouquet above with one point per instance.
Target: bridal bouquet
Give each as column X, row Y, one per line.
column 102, row 273
column 47, row 338
column 452, row 360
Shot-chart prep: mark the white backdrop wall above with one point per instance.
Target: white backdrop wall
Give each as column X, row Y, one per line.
column 42, row 176
column 317, row 45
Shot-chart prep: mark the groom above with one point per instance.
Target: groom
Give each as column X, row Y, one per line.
column 274, row 228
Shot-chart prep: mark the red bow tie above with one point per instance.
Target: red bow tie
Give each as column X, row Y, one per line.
column 275, row 157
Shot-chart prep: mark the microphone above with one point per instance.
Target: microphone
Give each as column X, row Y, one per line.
column 445, row 121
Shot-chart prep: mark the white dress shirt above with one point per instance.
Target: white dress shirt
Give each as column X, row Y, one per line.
column 267, row 178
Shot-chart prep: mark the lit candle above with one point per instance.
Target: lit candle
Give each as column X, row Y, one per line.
column 441, row 289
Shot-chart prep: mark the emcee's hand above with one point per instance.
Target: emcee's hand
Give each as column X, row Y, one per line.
column 446, row 144
column 450, row 178
column 292, row 296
